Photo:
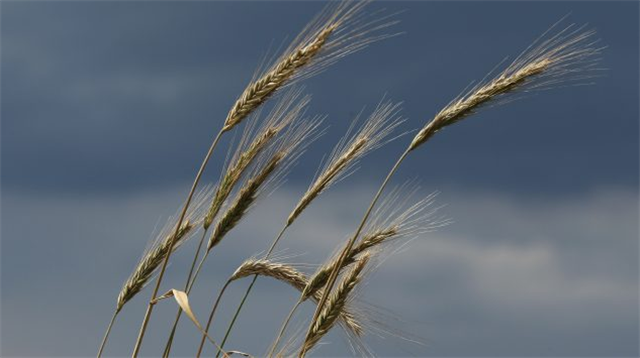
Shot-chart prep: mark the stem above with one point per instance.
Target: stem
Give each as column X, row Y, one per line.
column 255, row 277
column 106, row 334
column 147, row 315
column 213, row 312
column 343, row 255
column 284, row 327
column 195, row 275
column 167, row 348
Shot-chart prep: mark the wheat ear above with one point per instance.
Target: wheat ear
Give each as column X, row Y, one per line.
column 143, row 273
column 349, row 151
column 390, row 222
column 290, row 107
column 312, row 51
column 335, row 304
column 156, row 253
column 569, row 55
column 284, row 154
column 253, row 142
column 336, row 32
column 374, row 133
column 285, row 273
column 293, row 144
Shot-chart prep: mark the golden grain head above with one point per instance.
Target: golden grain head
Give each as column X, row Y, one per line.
column 566, row 57
column 374, row 132
column 339, row 30
column 253, row 142
column 267, row 174
column 336, row 302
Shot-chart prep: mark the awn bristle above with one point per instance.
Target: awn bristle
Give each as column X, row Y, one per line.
column 569, row 56
column 388, row 223
column 335, row 33
column 288, row 109
column 284, row 153
column 335, row 304
column 349, row 151
column 320, row 277
column 296, row 279
column 154, row 256
column 148, row 265
column 244, row 199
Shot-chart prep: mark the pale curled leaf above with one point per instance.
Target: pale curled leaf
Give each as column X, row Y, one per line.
column 182, row 299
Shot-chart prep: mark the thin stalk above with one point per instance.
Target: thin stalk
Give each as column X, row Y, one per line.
column 106, row 334
column 253, row 281
column 167, row 348
column 213, row 311
column 284, row 327
column 147, row 315
column 246, row 294
column 343, row 255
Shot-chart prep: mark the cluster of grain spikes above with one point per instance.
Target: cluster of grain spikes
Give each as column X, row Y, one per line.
column 395, row 222
column 263, row 156
column 335, row 33
column 339, row 30
column 289, row 108
column 267, row 174
column 157, row 252
column 335, row 304
column 570, row 55
column 375, row 131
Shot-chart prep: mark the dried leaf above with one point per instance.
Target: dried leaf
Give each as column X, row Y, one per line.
column 183, row 301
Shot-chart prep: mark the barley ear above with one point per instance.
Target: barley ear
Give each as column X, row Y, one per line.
column 245, row 198
column 149, row 263
column 335, row 305
column 567, row 57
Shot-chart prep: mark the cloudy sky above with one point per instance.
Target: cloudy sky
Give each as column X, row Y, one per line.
column 108, row 108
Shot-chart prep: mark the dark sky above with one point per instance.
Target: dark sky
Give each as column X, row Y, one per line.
column 97, row 75
column 109, row 106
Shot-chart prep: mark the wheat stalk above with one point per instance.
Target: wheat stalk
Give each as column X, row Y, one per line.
column 293, row 144
column 289, row 147
column 313, row 50
column 568, row 55
column 390, row 222
column 168, row 240
column 282, row 154
column 350, row 149
column 289, row 108
column 288, row 274
column 145, row 269
column 336, row 32
column 149, row 264
column 335, row 304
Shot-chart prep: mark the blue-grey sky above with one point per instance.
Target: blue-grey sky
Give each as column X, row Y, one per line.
column 108, row 108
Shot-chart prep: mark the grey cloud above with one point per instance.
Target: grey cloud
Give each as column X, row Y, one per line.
column 464, row 290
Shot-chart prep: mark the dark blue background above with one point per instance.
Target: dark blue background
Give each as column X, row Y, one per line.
column 108, row 108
